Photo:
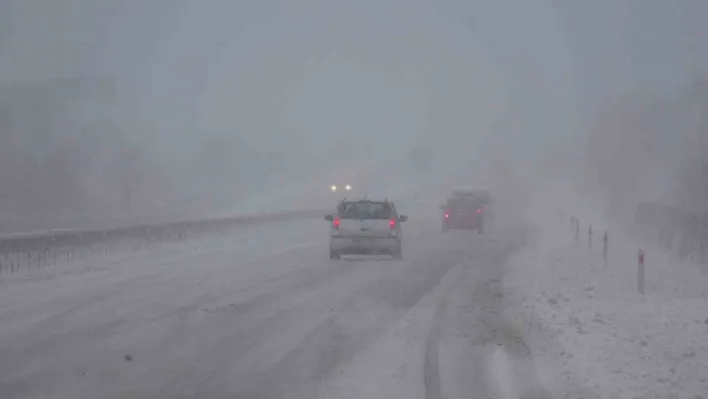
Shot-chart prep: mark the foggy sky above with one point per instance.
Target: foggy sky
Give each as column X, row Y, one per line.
column 465, row 76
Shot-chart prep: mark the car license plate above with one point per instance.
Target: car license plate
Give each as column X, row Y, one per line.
column 363, row 241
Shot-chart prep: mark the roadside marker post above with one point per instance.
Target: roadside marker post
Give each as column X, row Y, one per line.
column 640, row 272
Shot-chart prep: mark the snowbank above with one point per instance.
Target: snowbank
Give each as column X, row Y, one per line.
column 593, row 335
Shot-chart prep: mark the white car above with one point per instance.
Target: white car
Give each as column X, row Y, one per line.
column 364, row 226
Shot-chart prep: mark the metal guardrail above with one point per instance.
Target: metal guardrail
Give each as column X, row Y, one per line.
column 39, row 249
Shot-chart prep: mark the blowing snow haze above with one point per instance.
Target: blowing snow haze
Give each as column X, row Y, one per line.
column 120, row 109
column 536, row 220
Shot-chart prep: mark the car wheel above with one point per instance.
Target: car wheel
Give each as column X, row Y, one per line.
column 334, row 255
column 398, row 253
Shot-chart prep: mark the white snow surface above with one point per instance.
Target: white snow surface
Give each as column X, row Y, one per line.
column 592, row 334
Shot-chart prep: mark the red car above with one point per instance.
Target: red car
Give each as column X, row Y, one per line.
column 464, row 214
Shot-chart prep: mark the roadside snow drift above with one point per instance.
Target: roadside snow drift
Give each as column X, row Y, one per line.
column 594, row 336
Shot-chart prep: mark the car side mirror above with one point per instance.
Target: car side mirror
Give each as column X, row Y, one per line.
column 402, row 218
column 329, row 218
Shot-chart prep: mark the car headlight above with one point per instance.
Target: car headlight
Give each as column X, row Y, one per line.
column 347, row 187
column 333, row 188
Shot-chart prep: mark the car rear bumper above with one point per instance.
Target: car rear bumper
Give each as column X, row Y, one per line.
column 457, row 224
column 364, row 245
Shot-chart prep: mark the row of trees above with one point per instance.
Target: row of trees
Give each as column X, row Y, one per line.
column 81, row 179
column 63, row 162
column 70, row 155
column 645, row 147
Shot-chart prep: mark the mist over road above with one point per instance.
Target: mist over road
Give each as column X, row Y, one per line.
column 263, row 315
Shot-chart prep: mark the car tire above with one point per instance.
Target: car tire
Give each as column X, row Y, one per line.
column 398, row 253
column 334, row 255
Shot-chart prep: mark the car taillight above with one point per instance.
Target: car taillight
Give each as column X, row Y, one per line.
column 479, row 210
column 392, row 224
column 335, row 223
column 447, row 215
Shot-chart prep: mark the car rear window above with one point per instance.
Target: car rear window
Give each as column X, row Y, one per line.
column 364, row 210
column 484, row 199
column 466, row 204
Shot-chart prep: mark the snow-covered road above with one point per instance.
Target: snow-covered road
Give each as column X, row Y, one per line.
column 265, row 314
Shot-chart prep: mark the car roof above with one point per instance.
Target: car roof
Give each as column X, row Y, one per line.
column 365, row 199
column 470, row 191
column 463, row 194
column 466, row 198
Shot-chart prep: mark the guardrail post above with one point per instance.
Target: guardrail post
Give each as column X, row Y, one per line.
column 605, row 239
column 590, row 237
